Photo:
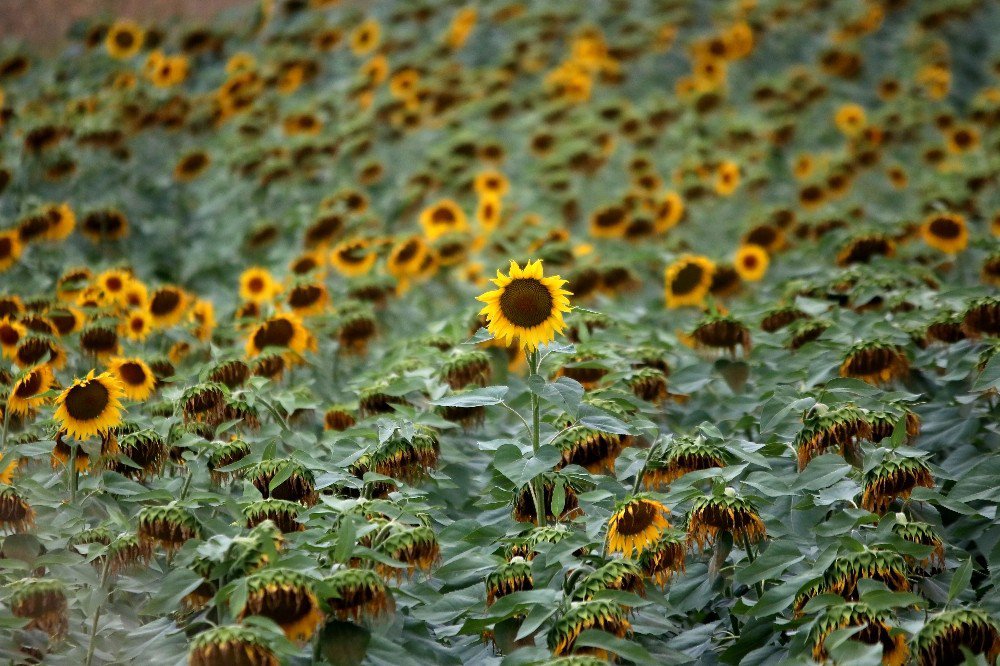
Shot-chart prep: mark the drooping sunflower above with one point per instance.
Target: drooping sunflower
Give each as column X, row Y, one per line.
column 441, row 217
column 406, row 257
column 124, row 39
column 365, row 37
column 946, row 232
column 921, row 534
column 894, row 477
column 942, row 638
column 353, row 257
column 308, row 298
column 357, row 593
column 684, row 454
column 16, row 515
column 167, row 306
column 601, row 614
column 90, row 405
column 619, row 574
column 168, row 526
column 728, row 512
column 842, row 575
column 636, row 523
column 286, row 597
column 875, row 362
column 687, row 281
column 43, row 603
column 137, row 379
column 526, row 306
column 283, row 331
column 232, row 644
column 824, row 428
column 875, row 630
column 11, row 334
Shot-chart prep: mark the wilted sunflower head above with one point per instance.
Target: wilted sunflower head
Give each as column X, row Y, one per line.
column 41, row 601
column 356, row 593
column 141, row 454
column 553, row 484
column 982, row 318
column 592, row 449
column 16, row 515
column 169, row 526
column 357, row 326
column 684, row 454
column 726, row 512
column 509, row 577
column 524, row 546
column 623, row 575
column 298, row 486
column 230, row 645
column 875, row 630
column 722, row 332
column 894, row 477
column 875, row 362
column 942, row 638
column 526, row 306
column 840, row 427
column 842, row 575
column 281, row 512
column 286, row 597
column 664, row 557
column 637, row 522
column 600, row 614
column 924, row 535
column 467, row 368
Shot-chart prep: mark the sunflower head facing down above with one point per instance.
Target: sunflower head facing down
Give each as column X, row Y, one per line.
column 637, row 523
column 90, row 405
column 526, row 306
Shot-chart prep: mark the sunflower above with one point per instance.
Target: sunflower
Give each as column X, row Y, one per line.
column 137, row 325
column 982, row 318
column 727, row 178
column 169, row 526
column 224, row 455
column 824, row 428
column 609, row 222
column 10, row 249
column 527, row 306
column 441, row 217
column 962, row 139
column 751, row 262
column 688, row 280
column 721, row 332
column 90, row 405
column 684, row 454
column 843, row 574
column 16, row 515
column 875, row 630
column 491, row 183
column 875, row 362
column 357, row 593
column 636, row 523
column 308, row 298
column 668, row 212
column 43, row 602
column 167, row 306
column 284, row 331
column 124, row 39
column 353, row 258
column 233, row 644
column 282, row 513
column 946, row 232
column 943, row 636
column 893, row 478
column 619, row 574
column 191, row 165
column 406, row 257
column 600, row 614
column 850, row 119
column 11, row 334
column 711, row 514
column 137, row 379
column 921, row 534
column 365, row 37
column 258, row 286
column 26, row 394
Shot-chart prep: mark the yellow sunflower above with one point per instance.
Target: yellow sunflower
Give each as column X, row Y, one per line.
column 137, row 325
column 727, row 178
column 688, row 280
column 751, row 262
column 258, row 286
column 308, row 298
column 284, row 331
column 526, row 306
column 491, row 182
column 668, row 212
column 353, row 257
column 114, row 283
column 124, row 40
column 442, row 217
column 406, row 257
column 11, row 333
column 62, row 222
column 137, row 379
column 90, row 405
column 850, row 119
column 26, row 393
column 636, row 524
column 167, row 306
column 10, row 249
column 365, row 37
column 946, row 232
column 488, row 212
column 202, row 315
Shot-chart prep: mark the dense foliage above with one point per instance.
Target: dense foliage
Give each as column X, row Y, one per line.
column 731, row 397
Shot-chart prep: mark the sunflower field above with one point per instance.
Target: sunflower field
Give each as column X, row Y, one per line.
column 503, row 332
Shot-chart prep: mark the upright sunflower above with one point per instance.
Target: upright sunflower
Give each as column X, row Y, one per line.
column 526, row 306
column 90, row 405
column 137, row 379
column 637, row 523
column 688, row 280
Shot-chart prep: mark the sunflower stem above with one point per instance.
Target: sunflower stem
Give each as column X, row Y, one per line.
column 750, row 556
column 537, row 489
column 71, row 471
column 91, row 645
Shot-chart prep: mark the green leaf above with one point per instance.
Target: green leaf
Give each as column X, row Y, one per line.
column 619, row 646
column 960, row 580
column 558, row 497
column 346, row 539
column 607, row 423
column 481, row 397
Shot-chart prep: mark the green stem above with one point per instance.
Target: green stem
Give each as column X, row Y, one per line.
column 187, row 482
column 71, row 470
column 750, row 556
column 97, row 613
column 537, row 489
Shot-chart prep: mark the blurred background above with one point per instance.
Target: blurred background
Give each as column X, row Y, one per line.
column 44, row 23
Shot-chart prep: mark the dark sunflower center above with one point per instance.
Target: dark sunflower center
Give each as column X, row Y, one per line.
column 276, row 333
column 113, row 284
column 137, row 324
column 132, row 373
column 30, row 385
column 6, row 247
column 124, row 39
column 750, row 261
column 610, row 217
column 304, row 266
column 87, row 401
column 526, row 302
column 443, row 215
column 637, row 517
column 9, row 336
column 194, row 162
column 256, row 284
column 354, row 254
column 687, row 279
column 304, row 296
column 944, row 227
column 164, row 302
column 407, row 252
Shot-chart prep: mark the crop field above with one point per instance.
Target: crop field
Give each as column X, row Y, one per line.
column 503, row 332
